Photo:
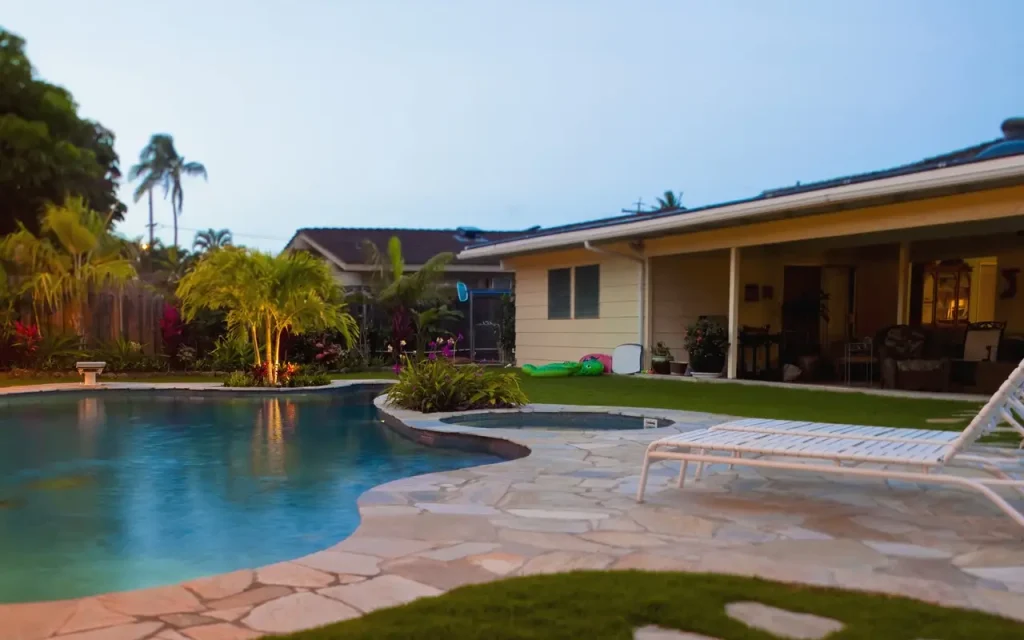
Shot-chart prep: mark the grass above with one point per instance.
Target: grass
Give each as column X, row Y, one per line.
column 747, row 400
column 610, row 605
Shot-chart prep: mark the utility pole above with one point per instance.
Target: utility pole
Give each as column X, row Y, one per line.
column 639, row 207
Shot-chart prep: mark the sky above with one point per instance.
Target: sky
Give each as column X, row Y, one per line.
column 505, row 115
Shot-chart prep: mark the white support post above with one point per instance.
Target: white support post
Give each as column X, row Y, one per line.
column 734, row 311
column 902, row 303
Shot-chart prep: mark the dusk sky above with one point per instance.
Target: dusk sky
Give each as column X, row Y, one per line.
column 506, row 115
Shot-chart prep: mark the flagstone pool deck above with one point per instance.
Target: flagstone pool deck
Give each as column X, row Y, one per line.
column 569, row 504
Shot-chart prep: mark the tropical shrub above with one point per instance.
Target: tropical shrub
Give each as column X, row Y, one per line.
column 309, row 380
column 126, row 356
column 230, row 352
column 56, row 351
column 439, row 385
column 353, row 360
column 239, row 379
column 288, row 375
column 187, row 357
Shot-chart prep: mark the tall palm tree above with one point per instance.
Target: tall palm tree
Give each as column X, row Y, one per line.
column 74, row 255
column 211, row 239
column 161, row 165
column 151, row 169
column 400, row 294
column 669, row 201
column 180, row 167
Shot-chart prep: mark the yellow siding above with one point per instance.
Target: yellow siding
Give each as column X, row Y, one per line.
column 540, row 340
column 684, row 287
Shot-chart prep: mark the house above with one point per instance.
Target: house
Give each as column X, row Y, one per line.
column 935, row 245
column 343, row 248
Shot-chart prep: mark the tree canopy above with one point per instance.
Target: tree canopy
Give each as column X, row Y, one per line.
column 161, row 165
column 48, row 151
column 669, row 201
column 399, row 293
column 74, row 255
column 264, row 296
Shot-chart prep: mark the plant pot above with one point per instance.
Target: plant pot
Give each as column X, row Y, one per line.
column 707, row 365
column 662, row 366
column 677, row 368
column 705, row 374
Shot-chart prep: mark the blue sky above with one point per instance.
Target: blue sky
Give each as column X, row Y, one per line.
column 510, row 114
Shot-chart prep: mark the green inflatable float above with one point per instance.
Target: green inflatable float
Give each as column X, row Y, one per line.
column 553, row 370
column 564, row 369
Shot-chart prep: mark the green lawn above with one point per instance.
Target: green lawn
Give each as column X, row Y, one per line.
column 746, row 400
column 610, row 605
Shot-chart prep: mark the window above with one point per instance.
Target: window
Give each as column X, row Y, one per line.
column 588, row 287
column 499, row 282
column 559, row 294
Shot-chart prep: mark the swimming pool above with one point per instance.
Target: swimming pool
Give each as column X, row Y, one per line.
column 553, row 420
column 116, row 490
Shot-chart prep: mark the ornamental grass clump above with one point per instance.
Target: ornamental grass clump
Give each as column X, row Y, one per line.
column 437, row 384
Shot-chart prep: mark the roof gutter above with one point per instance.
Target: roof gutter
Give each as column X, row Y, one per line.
column 996, row 170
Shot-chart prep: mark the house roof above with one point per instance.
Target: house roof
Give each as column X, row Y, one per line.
column 345, row 244
column 774, row 201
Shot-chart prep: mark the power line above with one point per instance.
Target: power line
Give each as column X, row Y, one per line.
column 233, row 233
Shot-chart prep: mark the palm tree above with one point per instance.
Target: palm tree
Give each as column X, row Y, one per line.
column 180, row 167
column 211, row 239
column 264, row 296
column 74, row 255
column 152, row 171
column 160, row 165
column 399, row 293
column 669, row 201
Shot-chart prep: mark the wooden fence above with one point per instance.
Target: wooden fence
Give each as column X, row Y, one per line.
column 132, row 313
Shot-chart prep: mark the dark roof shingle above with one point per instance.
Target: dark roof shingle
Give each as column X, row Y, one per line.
column 418, row 245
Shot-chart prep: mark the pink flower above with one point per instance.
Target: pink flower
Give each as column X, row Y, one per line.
column 432, row 356
column 397, row 368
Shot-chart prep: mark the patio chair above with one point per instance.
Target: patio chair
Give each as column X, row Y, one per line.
column 1012, row 413
column 847, row 450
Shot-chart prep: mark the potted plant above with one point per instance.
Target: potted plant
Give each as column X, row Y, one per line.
column 707, row 342
column 661, row 359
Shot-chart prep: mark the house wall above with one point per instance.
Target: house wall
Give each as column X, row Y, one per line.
column 683, row 288
column 540, row 340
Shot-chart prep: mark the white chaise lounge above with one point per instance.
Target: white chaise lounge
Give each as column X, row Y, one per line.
column 839, row 448
column 890, row 434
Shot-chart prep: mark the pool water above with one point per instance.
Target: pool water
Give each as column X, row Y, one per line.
column 552, row 420
column 113, row 490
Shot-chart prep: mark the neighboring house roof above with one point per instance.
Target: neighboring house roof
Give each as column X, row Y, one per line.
column 344, row 245
column 996, row 162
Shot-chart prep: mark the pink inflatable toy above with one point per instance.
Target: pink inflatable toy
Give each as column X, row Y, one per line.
column 603, row 358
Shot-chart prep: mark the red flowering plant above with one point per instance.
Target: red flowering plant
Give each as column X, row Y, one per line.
column 707, row 342
column 26, row 337
column 171, row 329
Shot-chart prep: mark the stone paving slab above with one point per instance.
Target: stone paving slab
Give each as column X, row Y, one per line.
column 569, row 505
